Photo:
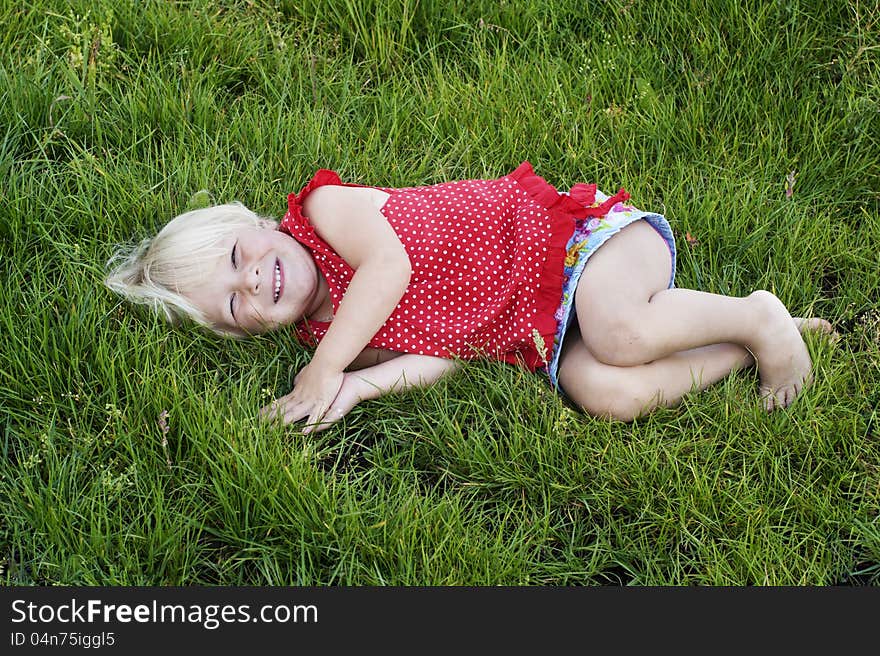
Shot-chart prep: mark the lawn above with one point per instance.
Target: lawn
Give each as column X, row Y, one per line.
column 132, row 453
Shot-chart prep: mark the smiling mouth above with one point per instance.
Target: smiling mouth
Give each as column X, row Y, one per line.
column 279, row 286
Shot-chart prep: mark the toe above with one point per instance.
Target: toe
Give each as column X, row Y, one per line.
column 818, row 325
column 793, row 391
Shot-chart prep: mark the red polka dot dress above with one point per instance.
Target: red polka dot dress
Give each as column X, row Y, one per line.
column 487, row 259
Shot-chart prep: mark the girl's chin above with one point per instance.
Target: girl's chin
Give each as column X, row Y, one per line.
column 285, row 318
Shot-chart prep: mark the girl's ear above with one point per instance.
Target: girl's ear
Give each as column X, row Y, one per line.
column 269, row 225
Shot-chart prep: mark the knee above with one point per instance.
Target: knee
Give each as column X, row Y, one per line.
column 623, row 341
column 615, row 409
column 607, row 395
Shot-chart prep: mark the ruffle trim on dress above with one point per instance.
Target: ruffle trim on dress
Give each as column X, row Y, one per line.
column 580, row 201
column 564, row 210
column 585, row 195
column 295, row 216
column 299, row 227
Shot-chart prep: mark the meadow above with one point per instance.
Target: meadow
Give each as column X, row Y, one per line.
column 132, row 453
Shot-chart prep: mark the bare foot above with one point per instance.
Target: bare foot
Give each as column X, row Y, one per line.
column 783, row 360
column 815, row 324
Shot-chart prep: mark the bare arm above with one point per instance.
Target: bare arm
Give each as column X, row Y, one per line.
column 370, row 357
column 349, row 220
column 400, row 374
column 392, row 376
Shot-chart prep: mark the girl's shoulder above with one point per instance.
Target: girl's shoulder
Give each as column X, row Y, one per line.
column 327, row 193
column 342, row 199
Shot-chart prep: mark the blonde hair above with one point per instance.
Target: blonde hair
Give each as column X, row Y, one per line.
column 157, row 271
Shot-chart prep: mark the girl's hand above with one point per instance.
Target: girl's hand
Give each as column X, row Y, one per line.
column 348, row 397
column 313, row 394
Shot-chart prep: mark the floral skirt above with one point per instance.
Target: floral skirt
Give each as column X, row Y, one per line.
column 589, row 235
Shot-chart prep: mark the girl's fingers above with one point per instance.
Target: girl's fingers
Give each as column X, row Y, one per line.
column 281, row 408
column 315, row 419
column 284, row 410
column 329, row 419
column 296, row 412
column 273, row 411
column 291, row 410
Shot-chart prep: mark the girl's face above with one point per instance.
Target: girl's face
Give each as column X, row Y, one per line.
column 264, row 279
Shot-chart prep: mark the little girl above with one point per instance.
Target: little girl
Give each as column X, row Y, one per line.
column 397, row 287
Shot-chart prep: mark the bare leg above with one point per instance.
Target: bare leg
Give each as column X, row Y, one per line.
column 628, row 316
column 625, row 393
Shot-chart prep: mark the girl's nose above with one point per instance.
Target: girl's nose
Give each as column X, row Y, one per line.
column 253, row 279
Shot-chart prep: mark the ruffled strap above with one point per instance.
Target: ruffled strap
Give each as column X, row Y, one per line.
column 297, row 225
column 300, row 228
column 322, row 177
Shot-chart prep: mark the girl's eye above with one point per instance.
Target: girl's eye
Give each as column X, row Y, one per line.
column 231, row 304
column 234, row 262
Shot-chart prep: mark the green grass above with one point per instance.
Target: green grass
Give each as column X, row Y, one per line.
column 115, row 115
